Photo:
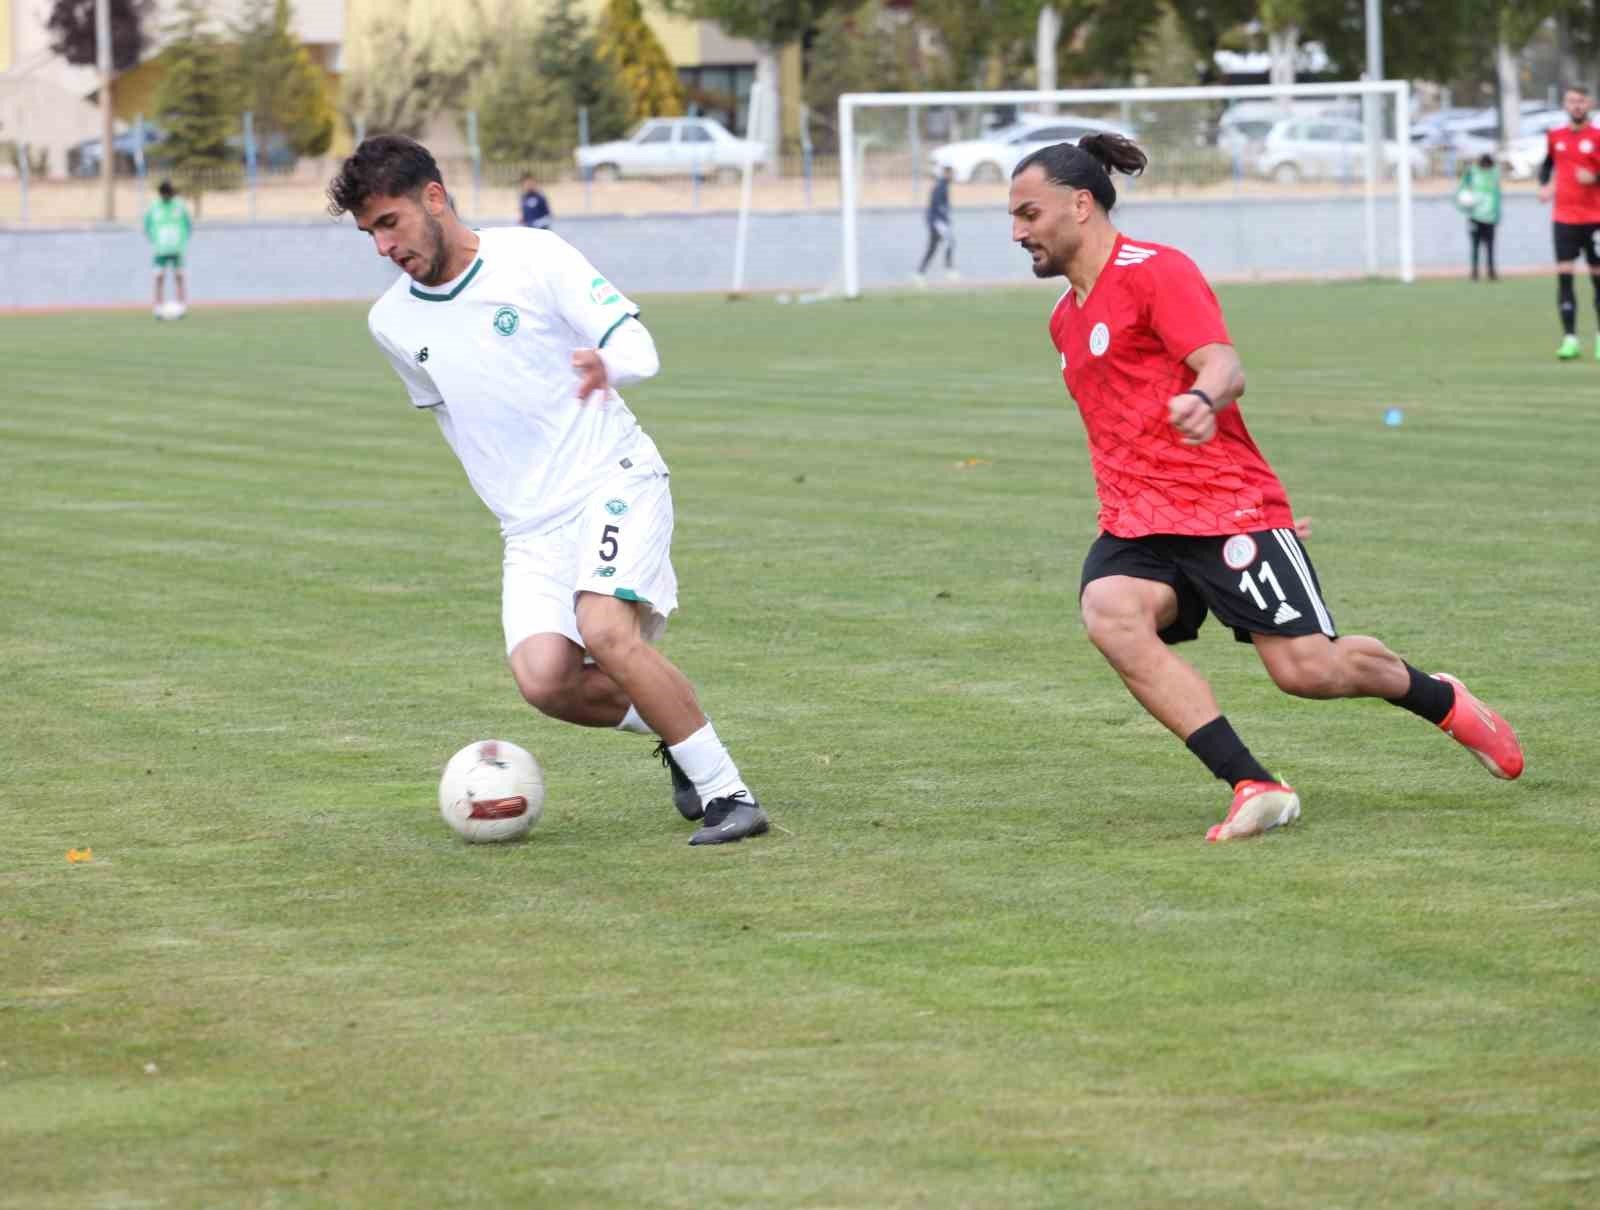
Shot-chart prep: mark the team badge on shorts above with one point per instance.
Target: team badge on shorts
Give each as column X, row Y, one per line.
column 1099, row 339
column 1239, row 551
column 604, row 572
column 616, row 507
column 505, row 320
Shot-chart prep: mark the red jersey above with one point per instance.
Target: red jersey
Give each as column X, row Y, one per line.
column 1569, row 150
column 1122, row 357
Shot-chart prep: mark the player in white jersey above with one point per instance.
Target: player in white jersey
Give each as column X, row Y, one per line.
column 515, row 343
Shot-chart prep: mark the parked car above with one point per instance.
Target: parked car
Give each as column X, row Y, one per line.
column 1523, row 156
column 1479, row 132
column 83, row 159
column 1310, row 148
column 273, row 154
column 1243, row 128
column 671, row 147
column 992, row 157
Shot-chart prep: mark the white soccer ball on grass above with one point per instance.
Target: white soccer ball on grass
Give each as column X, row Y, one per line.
column 491, row 791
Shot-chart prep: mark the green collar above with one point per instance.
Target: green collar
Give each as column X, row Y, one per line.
column 465, row 281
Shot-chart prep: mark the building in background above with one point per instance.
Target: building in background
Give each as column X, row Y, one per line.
column 50, row 105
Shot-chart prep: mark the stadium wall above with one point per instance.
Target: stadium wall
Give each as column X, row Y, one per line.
column 795, row 250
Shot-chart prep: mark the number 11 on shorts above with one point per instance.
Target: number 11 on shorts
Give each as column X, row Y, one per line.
column 1247, row 584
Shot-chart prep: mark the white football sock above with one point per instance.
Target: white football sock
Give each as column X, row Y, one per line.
column 632, row 722
column 706, row 762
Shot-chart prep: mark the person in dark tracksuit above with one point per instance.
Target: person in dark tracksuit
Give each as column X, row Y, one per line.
column 939, row 230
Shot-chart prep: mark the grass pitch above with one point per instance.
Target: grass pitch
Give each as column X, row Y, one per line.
column 986, row 959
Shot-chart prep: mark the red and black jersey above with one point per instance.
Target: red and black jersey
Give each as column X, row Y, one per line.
column 1122, row 358
column 1570, row 149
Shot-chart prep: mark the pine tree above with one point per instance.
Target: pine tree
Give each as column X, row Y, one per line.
column 630, row 47
column 528, row 99
column 278, row 81
column 195, row 104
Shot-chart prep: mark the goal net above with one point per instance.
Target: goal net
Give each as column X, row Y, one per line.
column 1307, row 180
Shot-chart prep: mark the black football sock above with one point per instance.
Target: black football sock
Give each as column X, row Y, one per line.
column 1224, row 753
column 1567, row 303
column 1428, row 697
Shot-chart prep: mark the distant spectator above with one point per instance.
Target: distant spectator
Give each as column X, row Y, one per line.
column 167, row 226
column 939, row 230
column 535, row 206
column 1478, row 196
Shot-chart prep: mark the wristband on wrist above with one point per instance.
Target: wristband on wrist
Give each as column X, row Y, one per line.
column 1206, row 399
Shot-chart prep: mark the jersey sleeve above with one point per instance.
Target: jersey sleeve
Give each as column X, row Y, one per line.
column 580, row 293
column 417, row 383
column 1184, row 312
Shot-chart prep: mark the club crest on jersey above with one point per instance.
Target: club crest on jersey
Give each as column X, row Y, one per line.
column 1586, row 146
column 506, row 320
column 1239, row 551
column 1099, row 339
column 603, row 292
column 616, row 507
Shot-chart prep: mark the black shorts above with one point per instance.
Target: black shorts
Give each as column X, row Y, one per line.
column 1258, row 583
column 1573, row 240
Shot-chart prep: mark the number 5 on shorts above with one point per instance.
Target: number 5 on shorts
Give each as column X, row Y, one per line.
column 608, row 543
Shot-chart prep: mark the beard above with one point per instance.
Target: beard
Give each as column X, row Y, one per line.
column 433, row 275
column 1045, row 265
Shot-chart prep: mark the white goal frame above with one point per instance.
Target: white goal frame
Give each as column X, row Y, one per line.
column 1399, row 90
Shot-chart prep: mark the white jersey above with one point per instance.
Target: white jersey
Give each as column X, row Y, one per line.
column 490, row 354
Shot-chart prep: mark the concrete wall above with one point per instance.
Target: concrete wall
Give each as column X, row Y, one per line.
column 328, row 260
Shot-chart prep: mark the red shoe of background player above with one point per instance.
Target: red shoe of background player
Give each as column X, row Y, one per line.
column 1482, row 732
column 1258, row 806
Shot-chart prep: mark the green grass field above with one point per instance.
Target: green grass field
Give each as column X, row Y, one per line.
column 985, row 959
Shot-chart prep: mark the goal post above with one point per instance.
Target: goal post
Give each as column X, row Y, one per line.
column 1307, row 139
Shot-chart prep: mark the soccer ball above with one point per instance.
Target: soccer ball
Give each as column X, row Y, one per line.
column 171, row 310
column 1466, row 199
column 491, row 791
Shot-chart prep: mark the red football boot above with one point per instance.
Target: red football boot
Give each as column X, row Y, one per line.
column 1482, row 732
column 1258, row 806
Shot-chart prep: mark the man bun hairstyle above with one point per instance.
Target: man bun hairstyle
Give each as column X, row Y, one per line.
column 1089, row 164
column 384, row 165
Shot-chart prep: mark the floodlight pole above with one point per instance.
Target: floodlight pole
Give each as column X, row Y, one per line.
column 1374, row 134
column 102, row 54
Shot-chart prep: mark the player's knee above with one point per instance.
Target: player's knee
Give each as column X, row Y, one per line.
column 1113, row 621
column 544, row 689
column 608, row 637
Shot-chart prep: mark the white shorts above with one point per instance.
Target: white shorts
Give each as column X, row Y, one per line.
column 620, row 545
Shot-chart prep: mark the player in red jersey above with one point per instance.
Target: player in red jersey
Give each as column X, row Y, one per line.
column 1572, row 159
column 1192, row 516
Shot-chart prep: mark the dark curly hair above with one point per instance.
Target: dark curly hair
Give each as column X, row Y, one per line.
column 385, row 165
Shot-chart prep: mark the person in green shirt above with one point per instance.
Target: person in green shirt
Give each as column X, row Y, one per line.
column 1478, row 197
column 167, row 226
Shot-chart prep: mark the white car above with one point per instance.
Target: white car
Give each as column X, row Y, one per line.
column 671, row 147
column 992, row 157
column 1310, row 148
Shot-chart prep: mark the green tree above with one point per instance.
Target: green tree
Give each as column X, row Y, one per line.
column 628, row 45
column 278, row 81
column 528, row 99
column 196, row 103
column 860, row 50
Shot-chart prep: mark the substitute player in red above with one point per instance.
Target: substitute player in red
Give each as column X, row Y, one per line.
column 1192, row 517
column 1572, row 159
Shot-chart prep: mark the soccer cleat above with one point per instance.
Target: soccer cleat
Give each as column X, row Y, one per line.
column 731, row 818
column 1257, row 807
column 1482, row 732
column 1569, row 348
column 684, row 796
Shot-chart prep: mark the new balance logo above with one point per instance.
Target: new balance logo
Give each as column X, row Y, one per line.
column 1286, row 613
column 1132, row 254
column 422, row 354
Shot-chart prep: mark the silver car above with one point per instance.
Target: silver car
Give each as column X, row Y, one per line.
column 1327, row 148
column 992, row 157
column 671, row 147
